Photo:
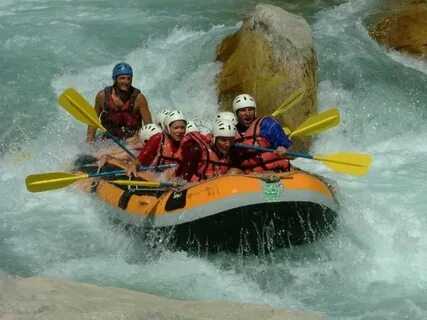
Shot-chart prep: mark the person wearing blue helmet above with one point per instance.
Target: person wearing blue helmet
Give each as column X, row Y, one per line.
column 121, row 108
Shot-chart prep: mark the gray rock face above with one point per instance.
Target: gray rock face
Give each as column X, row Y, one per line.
column 38, row 298
column 289, row 34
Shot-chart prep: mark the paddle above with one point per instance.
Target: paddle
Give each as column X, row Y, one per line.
column 291, row 101
column 57, row 180
column 318, row 123
column 81, row 110
column 153, row 184
column 355, row 164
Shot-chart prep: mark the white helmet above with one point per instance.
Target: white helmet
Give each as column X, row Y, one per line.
column 224, row 128
column 172, row 117
column 243, row 101
column 191, row 127
column 148, row 131
column 161, row 117
column 227, row 116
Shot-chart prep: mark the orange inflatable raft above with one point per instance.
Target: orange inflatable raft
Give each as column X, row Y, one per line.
column 231, row 211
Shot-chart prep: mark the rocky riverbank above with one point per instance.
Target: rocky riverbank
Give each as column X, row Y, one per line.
column 49, row 299
column 402, row 26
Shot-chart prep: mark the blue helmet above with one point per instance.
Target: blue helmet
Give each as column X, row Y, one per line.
column 122, row 69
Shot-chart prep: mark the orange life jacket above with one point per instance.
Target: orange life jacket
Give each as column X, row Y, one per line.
column 259, row 161
column 210, row 164
column 167, row 152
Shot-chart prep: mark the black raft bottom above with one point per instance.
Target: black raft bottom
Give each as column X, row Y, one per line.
column 256, row 228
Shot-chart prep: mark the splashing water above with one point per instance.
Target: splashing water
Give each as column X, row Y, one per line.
column 373, row 267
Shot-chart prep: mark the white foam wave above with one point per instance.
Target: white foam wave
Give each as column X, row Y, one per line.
column 418, row 64
column 168, row 70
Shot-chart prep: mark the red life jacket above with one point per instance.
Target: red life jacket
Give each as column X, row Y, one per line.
column 124, row 122
column 210, row 164
column 259, row 161
column 168, row 151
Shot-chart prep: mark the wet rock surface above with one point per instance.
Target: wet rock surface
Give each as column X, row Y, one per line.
column 41, row 298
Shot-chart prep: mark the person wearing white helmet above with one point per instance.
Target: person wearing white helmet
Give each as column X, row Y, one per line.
column 163, row 147
column 259, row 131
column 148, row 131
column 191, row 127
column 121, row 108
column 161, row 117
column 226, row 115
column 174, row 120
column 134, row 143
column 207, row 156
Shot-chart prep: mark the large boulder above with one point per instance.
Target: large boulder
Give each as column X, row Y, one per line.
column 270, row 57
column 38, row 298
column 403, row 27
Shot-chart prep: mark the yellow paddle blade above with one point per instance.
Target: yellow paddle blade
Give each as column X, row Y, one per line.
column 291, row 101
column 355, row 164
column 137, row 183
column 50, row 181
column 317, row 123
column 79, row 108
